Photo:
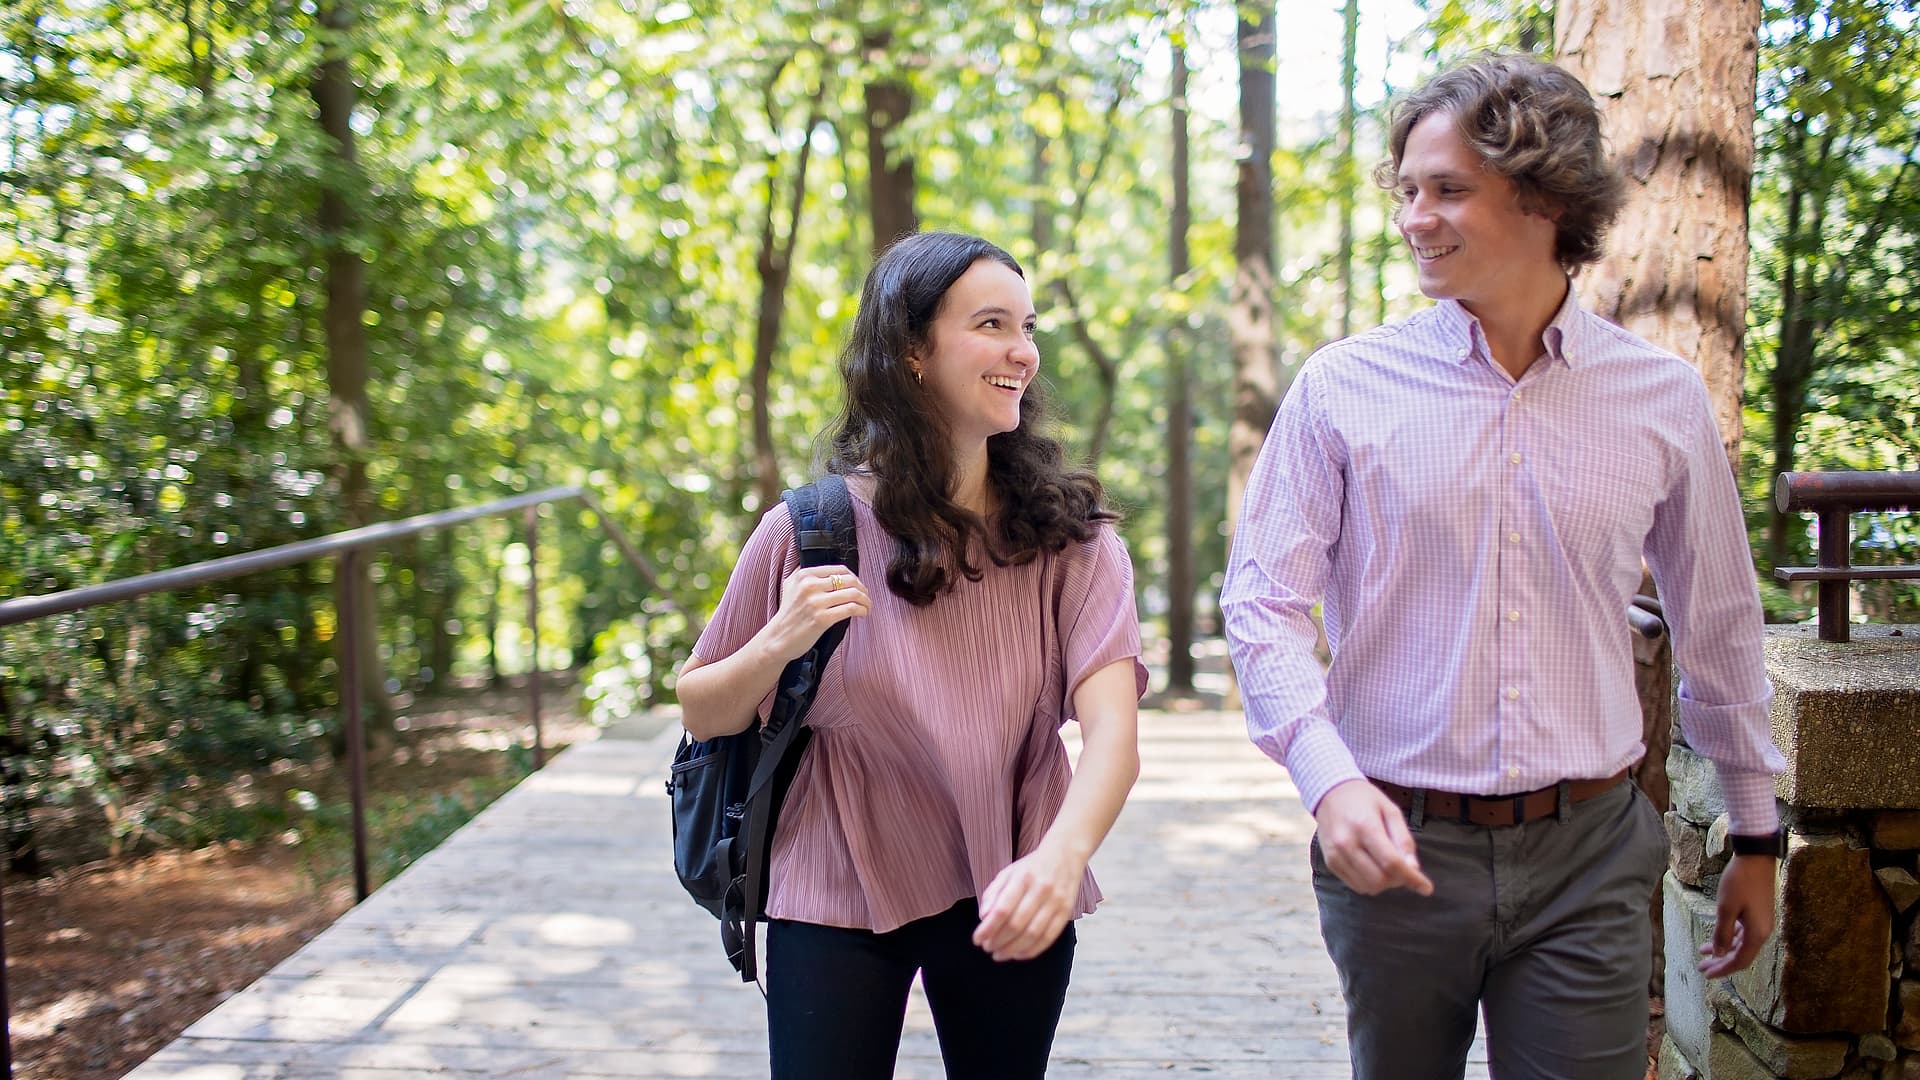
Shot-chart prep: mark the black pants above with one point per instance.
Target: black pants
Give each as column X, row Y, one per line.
column 836, row 999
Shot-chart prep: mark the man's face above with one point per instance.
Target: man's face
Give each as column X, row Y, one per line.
column 1469, row 237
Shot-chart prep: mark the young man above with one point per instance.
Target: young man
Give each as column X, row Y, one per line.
column 1470, row 493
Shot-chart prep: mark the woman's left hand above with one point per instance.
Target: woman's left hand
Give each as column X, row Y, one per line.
column 1026, row 906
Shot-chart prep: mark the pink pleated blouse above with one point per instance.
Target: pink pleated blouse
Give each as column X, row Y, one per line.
column 936, row 759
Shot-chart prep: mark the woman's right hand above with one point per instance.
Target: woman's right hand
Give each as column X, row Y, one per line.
column 812, row 599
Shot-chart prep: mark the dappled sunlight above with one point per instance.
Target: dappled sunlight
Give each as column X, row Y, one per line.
column 316, row 1010
column 584, row 930
column 562, row 946
column 608, row 784
column 654, row 975
column 438, row 935
column 36, row 1023
column 475, row 978
column 1234, row 834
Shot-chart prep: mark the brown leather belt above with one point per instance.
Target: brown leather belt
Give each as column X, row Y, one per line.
column 1499, row 809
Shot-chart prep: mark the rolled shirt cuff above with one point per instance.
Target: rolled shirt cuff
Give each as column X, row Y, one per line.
column 1751, row 810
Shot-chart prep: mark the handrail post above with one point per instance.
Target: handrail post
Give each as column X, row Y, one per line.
column 347, row 570
column 6, row 1007
column 533, row 633
column 1836, row 553
column 1834, row 497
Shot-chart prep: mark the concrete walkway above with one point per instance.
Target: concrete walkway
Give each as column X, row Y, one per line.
column 548, row 939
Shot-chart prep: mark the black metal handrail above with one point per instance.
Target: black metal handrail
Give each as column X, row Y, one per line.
column 1835, row 497
column 347, row 548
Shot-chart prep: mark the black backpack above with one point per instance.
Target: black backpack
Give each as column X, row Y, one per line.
column 727, row 792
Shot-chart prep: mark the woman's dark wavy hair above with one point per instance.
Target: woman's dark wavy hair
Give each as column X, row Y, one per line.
column 891, row 430
column 1536, row 125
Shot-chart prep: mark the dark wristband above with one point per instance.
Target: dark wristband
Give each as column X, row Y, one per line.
column 1773, row 843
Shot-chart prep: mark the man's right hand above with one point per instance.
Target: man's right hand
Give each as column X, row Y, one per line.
column 1365, row 840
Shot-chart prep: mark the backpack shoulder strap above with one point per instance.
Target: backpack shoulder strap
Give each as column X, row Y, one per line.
column 823, row 523
column 823, row 528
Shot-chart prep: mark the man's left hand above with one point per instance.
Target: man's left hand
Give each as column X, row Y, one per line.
column 1745, row 916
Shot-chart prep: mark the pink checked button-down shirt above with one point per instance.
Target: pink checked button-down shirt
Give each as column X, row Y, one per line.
column 1476, row 541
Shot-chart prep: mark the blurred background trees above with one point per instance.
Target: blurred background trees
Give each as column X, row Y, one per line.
column 273, row 270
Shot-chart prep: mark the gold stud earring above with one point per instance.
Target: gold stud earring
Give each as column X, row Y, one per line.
column 919, row 376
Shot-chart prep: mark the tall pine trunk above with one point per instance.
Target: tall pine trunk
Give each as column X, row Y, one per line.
column 1256, row 380
column 346, row 337
column 775, row 263
column 1675, row 80
column 890, row 179
column 1180, row 571
column 1349, row 172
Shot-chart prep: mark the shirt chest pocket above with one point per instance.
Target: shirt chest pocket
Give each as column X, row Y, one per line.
column 1603, row 498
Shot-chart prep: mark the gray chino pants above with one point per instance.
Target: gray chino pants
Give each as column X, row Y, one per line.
column 1543, row 925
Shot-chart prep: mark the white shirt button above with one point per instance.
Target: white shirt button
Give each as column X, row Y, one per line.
column 1513, row 616
column 1513, row 538
column 1513, row 694
column 1514, row 457
column 1513, row 770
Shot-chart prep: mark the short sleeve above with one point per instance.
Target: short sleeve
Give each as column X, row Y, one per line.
column 752, row 596
column 1098, row 621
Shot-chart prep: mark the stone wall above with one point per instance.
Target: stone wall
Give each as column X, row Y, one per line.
column 1836, row 991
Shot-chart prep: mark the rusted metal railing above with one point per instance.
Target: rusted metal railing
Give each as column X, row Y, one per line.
column 348, row 549
column 1836, row 497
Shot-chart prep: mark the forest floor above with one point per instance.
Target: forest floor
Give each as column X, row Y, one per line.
column 108, row 960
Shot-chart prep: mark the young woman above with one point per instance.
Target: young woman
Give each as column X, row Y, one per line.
column 935, row 825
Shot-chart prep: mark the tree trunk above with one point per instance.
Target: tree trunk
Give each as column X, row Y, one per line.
column 1040, row 226
column 198, row 63
column 16, row 800
column 1675, row 79
column 1106, row 370
column 1180, row 572
column 1105, row 367
column 1256, row 380
column 775, row 264
column 333, row 94
column 889, row 170
column 1792, row 360
column 495, row 679
column 446, row 596
column 1348, row 172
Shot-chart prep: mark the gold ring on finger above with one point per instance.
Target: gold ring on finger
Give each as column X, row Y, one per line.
column 833, row 583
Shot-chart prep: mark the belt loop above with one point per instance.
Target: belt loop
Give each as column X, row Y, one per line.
column 1417, row 813
column 1565, row 793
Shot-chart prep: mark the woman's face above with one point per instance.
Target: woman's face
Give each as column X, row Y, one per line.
column 979, row 355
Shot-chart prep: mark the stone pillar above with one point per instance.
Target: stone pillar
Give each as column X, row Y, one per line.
column 1836, row 991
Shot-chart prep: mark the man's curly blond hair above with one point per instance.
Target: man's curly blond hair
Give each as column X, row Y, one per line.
column 1535, row 124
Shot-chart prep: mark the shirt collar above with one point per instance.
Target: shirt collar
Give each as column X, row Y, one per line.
column 1565, row 339
column 1565, row 336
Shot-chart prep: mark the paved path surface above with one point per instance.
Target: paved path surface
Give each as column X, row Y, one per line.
column 549, row 940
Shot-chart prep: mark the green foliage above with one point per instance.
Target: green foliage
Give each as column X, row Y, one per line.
column 1461, row 27
column 1834, row 347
